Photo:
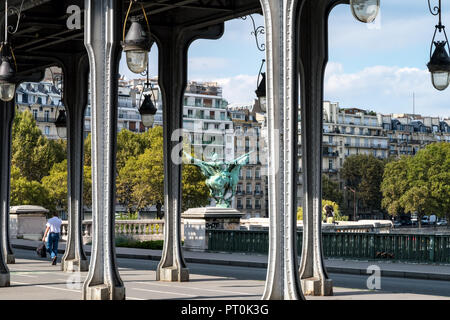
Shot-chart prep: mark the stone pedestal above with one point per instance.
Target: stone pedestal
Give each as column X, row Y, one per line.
column 315, row 287
column 4, row 280
column 27, row 222
column 103, row 292
column 75, row 265
column 171, row 274
column 197, row 220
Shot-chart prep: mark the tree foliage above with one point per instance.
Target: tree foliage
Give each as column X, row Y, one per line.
column 32, row 153
column 330, row 190
column 419, row 184
column 364, row 173
column 140, row 181
column 337, row 213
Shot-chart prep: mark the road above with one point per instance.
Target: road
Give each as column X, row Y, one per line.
column 35, row 278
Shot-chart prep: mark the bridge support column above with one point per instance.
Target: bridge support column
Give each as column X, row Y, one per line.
column 313, row 49
column 102, row 36
column 6, row 120
column 6, row 254
column 282, row 282
column 75, row 95
column 173, row 49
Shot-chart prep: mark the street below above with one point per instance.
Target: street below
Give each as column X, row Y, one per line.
column 35, row 278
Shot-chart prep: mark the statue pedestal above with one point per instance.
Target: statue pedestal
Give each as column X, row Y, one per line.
column 197, row 220
column 27, row 222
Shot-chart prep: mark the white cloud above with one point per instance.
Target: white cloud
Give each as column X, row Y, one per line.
column 386, row 89
column 238, row 89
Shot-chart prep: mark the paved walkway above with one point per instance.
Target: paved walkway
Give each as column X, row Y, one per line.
column 388, row 269
column 35, row 278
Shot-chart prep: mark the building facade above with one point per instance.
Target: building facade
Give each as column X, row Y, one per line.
column 352, row 131
column 251, row 194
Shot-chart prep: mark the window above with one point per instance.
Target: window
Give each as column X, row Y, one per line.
column 35, row 113
column 248, row 203
column 248, row 173
column 257, row 173
column 258, row 188
column 47, row 130
column 330, row 164
column 198, row 102
column 248, row 188
column 46, row 115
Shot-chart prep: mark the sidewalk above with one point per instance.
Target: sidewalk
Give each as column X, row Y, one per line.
column 388, row 269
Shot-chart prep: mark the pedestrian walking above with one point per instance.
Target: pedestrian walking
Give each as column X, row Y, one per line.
column 53, row 230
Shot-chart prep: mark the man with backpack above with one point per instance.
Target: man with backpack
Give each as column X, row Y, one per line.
column 53, row 230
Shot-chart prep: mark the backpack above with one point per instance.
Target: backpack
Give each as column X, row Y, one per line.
column 41, row 251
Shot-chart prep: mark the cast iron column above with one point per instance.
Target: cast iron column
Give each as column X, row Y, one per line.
column 102, row 35
column 7, row 118
column 173, row 49
column 313, row 48
column 75, row 95
column 281, row 17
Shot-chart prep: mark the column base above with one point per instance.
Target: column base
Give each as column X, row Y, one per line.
column 10, row 259
column 74, row 265
column 313, row 287
column 4, row 280
column 103, row 292
column 171, row 274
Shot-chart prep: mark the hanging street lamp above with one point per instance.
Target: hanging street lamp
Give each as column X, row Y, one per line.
column 147, row 109
column 261, row 91
column 136, row 43
column 61, row 124
column 365, row 10
column 7, row 72
column 7, row 75
column 439, row 65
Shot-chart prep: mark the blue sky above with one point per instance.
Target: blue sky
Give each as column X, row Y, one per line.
column 376, row 66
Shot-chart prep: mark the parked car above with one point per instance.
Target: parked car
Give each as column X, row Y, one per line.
column 441, row 222
column 425, row 220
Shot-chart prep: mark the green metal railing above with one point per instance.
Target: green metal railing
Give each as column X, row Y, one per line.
column 401, row 247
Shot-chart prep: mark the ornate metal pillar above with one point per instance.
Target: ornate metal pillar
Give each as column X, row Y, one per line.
column 282, row 108
column 173, row 49
column 313, row 48
column 6, row 120
column 6, row 254
column 102, row 36
column 75, row 95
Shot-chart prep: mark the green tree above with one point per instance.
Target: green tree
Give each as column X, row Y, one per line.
column 364, row 173
column 32, row 153
column 337, row 213
column 55, row 185
column 419, row 184
column 394, row 185
column 25, row 192
column 330, row 190
column 141, row 180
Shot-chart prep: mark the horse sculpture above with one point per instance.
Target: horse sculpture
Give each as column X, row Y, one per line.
column 221, row 177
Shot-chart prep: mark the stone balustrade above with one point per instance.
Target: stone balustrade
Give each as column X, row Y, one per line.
column 141, row 230
column 362, row 226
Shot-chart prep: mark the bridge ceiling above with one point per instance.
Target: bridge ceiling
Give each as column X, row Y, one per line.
column 43, row 33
